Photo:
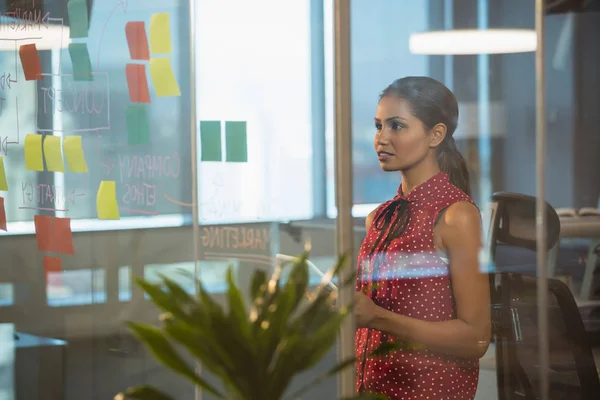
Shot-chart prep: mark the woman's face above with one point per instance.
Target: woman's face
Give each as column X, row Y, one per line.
column 401, row 141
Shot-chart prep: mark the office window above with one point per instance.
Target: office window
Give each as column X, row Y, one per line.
column 380, row 33
column 76, row 288
column 257, row 73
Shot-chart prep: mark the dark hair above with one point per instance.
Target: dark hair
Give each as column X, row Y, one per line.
column 433, row 103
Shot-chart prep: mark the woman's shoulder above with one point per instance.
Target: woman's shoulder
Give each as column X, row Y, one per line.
column 448, row 195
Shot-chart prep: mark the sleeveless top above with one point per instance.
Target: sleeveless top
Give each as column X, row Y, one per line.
column 410, row 278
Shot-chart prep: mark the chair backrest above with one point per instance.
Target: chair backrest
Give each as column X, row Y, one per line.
column 512, row 219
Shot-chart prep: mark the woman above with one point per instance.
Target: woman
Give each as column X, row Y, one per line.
column 419, row 281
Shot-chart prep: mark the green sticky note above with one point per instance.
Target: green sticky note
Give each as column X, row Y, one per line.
column 80, row 58
column 78, row 18
column 236, row 141
column 137, row 124
column 210, row 140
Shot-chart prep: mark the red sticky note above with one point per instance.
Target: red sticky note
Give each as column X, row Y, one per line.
column 43, row 232
column 137, row 40
column 63, row 236
column 30, row 60
column 52, row 265
column 2, row 215
column 137, row 83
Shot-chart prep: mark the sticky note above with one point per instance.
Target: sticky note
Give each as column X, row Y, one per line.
column 137, row 124
column 43, row 232
column 33, row 153
column 210, row 140
column 63, row 236
column 52, row 153
column 163, row 77
column 106, row 201
column 3, row 183
column 78, row 18
column 236, row 141
column 80, row 58
column 137, row 40
column 74, row 154
column 160, row 33
column 137, row 83
column 30, row 61
column 2, row 215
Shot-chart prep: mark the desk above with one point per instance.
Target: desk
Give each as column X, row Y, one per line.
column 583, row 228
column 39, row 367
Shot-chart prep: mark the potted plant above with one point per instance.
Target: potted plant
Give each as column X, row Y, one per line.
column 256, row 353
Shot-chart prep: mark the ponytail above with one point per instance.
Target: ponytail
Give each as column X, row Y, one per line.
column 453, row 163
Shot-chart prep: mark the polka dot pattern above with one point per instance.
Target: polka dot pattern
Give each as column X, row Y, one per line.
column 411, row 279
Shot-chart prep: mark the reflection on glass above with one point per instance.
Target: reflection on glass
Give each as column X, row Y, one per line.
column 76, row 288
column 6, row 294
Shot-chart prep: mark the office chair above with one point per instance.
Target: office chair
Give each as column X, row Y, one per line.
column 572, row 373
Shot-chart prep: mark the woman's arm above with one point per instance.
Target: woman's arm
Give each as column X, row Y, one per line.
column 468, row 335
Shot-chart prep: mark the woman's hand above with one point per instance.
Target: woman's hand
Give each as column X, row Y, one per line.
column 364, row 310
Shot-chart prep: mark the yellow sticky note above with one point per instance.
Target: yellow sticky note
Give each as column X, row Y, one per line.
column 74, row 154
column 54, row 161
column 163, row 77
column 106, row 201
column 3, row 183
column 33, row 153
column 160, row 33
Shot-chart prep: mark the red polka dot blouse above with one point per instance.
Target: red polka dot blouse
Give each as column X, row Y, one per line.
column 406, row 275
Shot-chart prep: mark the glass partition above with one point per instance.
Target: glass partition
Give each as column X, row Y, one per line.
column 121, row 156
column 105, row 138
column 494, row 82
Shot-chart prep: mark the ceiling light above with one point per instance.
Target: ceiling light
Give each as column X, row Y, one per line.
column 464, row 42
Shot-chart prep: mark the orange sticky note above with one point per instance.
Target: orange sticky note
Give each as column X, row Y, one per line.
column 34, row 160
column 63, row 236
column 137, row 83
column 3, row 183
column 52, row 153
column 2, row 215
column 43, row 232
column 30, row 60
column 137, row 40
column 106, row 201
column 74, row 154
column 52, row 265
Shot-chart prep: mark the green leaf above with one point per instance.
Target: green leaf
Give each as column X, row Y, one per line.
column 299, row 353
column 225, row 334
column 237, row 307
column 177, row 292
column 162, row 299
column 259, row 284
column 299, row 279
column 325, row 337
column 143, row 393
column 166, row 354
column 212, row 307
column 211, row 356
column 276, row 319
